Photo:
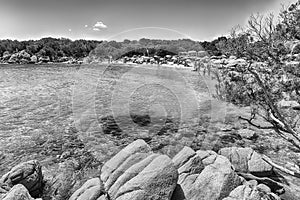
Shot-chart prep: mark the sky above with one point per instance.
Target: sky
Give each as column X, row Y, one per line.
column 127, row 19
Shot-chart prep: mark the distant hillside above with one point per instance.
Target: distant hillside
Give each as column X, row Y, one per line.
column 52, row 47
column 55, row 49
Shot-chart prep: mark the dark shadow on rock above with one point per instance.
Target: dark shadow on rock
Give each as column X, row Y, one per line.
column 178, row 193
column 273, row 180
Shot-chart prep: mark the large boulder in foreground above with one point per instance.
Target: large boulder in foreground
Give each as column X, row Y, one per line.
column 252, row 191
column 137, row 173
column 203, row 175
column 247, row 160
column 90, row 190
column 28, row 174
column 18, row 192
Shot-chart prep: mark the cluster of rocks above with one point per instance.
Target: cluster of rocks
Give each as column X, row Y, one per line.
column 221, row 62
column 137, row 173
column 24, row 181
column 23, row 57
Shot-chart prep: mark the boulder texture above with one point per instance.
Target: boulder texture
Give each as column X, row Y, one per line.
column 203, row 175
column 18, row 192
column 4, row 188
column 246, row 160
column 252, row 191
column 28, row 174
column 90, row 190
column 137, row 173
column 247, row 134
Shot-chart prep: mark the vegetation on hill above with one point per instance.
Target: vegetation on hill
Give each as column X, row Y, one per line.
column 147, row 47
column 58, row 48
column 52, row 47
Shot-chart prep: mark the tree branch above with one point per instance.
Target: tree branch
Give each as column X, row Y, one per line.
column 255, row 125
column 285, row 170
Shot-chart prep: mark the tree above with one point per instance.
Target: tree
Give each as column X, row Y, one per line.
column 289, row 28
column 269, row 79
column 51, row 47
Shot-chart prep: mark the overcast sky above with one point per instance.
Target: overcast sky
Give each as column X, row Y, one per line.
column 132, row 19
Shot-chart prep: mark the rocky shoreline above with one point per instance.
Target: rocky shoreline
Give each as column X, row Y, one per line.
column 136, row 173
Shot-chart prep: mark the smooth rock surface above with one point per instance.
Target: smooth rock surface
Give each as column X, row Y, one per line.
column 91, row 190
column 246, row 160
column 137, row 173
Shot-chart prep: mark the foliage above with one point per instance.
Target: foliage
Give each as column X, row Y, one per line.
column 52, row 47
column 212, row 47
column 57, row 48
column 145, row 47
column 269, row 77
column 289, row 28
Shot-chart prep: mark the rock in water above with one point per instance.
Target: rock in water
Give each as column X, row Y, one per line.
column 247, row 160
column 18, row 192
column 91, row 190
column 137, row 173
column 203, row 175
column 28, row 174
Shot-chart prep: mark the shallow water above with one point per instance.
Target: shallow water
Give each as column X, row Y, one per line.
column 109, row 106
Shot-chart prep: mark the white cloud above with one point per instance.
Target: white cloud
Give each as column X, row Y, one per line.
column 96, row 29
column 86, row 26
column 99, row 25
column 70, row 30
